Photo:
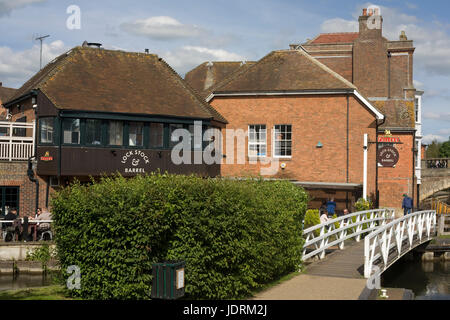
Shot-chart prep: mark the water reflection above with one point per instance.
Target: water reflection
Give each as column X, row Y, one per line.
column 428, row 280
column 24, row 281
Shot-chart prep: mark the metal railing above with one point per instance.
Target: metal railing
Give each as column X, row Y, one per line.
column 391, row 241
column 14, row 146
column 441, row 163
column 32, row 222
column 439, row 206
column 335, row 232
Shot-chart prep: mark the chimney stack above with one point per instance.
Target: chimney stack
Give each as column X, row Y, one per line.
column 370, row 23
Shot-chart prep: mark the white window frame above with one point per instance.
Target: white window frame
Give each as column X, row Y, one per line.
column 274, row 142
column 257, row 143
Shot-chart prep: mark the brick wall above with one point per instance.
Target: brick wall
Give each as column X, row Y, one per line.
column 394, row 182
column 314, row 119
column 14, row 174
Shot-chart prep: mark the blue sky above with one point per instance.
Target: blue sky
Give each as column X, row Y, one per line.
column 187, row 33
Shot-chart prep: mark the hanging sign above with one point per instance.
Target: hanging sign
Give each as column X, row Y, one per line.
column 388, row 156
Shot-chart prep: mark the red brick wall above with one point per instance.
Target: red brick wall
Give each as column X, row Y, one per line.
column 314, row 119
column 399, row 72
column 343, row 66
column 14, row 174
column 394, row 182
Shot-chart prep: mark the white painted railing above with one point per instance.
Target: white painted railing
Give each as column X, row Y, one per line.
column 391, row 241
column 335, row 232
column 13, row 147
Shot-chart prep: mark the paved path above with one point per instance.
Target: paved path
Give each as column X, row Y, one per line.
column 338, row 277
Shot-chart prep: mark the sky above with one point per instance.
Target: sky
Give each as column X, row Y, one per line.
column 188, row 33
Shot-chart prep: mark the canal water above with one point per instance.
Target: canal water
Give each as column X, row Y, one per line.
column 24, row 281
column 428, row 280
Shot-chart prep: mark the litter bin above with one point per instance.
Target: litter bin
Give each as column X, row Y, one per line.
column 168, row 280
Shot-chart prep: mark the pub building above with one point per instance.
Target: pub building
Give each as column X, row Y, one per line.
column 101, row 112
column 320, row 115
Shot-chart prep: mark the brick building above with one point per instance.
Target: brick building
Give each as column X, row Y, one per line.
column 92, row 112
column 307, row 117
column 383, row 72
column 380, row 71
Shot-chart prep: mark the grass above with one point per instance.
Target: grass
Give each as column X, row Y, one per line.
column 444, row 237
column 54, row 292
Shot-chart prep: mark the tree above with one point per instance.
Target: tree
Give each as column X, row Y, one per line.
column 444, row 150
column 433, row 150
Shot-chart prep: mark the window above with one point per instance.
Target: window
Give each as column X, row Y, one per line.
column 71, row 131
column 257, row 141
column 283, row 141
column 115, row 133
column 136, row 134
column 93, row 132
column 417, row 109
column 156, row 135
column 46, row 129
column 9, row 199
column 20, row 132
column 174, row 141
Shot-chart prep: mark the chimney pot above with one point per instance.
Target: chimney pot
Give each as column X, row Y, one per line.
column 364, row 12
column 1, row 84
column 370, row 12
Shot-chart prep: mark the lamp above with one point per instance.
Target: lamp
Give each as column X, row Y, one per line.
column 319, row 145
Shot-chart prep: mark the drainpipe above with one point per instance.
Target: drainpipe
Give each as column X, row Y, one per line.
column 366, row 146
column 414, row 167
column 32, row 178
column 377, row 192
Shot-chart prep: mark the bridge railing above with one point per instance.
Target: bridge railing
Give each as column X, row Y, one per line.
column 335, row 232
column 441, row 163
column 391, row 241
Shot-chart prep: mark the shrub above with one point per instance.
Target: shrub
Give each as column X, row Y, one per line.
column 234, row 235
column 363, row 205
column 312, row 218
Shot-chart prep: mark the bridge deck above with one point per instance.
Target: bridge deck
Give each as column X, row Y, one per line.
column 348, row 263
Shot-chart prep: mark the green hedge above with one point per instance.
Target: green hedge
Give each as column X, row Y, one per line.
column 234, row 235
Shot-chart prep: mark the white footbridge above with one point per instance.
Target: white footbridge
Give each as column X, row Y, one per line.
column 379, row 241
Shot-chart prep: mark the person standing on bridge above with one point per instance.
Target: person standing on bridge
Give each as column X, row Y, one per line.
column 407, row 204
column 331, row 207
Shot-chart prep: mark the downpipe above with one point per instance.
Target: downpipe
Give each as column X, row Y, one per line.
column 32, row 178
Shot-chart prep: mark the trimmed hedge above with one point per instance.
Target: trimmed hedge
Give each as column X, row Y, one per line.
column 235, row 236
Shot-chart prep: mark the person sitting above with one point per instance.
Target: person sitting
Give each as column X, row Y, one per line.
column 324, row 218
column 43, row 215
column 10, row 227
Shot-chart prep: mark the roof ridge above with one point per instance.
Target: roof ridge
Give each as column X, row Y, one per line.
column 239, row 72
column 203, row 104
column 325, row 68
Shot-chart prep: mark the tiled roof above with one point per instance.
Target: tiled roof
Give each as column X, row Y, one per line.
column 285, row 70
column 92, row 79
column 6, row 93
column 210, row 74
column 342, row 37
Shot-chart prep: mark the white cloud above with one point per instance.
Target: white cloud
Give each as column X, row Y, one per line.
column 429, row 138
column 444, row 116
column 339, row 25
column 188, row 57
column 16, row 67
column 162, row 28
column 7, row 6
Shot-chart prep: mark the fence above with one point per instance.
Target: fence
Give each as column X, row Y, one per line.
column 335, row 232
column 14, row 144
column 441, row 163
column 439, row 206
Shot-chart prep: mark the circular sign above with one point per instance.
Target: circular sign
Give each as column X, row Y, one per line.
column 388, row 156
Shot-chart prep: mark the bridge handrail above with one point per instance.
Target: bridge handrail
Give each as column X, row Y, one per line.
column 415, row 224
column 328, row 229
